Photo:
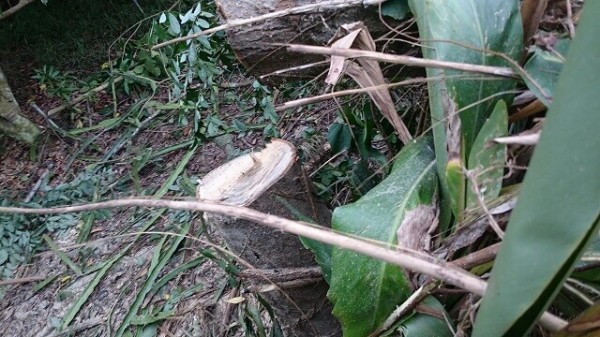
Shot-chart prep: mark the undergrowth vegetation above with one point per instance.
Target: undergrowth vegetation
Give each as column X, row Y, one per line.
column 449, row 193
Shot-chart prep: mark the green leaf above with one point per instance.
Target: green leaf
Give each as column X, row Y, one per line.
column 3, row 256
column 483, row 25
column 544, row 67
column 558, row 209
column 174, row 27
column 321, row 250
column 460, row 31
column 339, row 137
column 149, row 319
column 365, row 290
column 486, row 160
column 422, row 324
column 396, row 9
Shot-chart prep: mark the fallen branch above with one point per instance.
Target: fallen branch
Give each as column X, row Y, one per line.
column 403, row 59
column 12, row 10
column 314, row 99
column 413, row 260
column 311, row 8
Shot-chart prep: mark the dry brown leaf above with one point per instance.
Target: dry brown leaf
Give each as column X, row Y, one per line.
column 366, row 73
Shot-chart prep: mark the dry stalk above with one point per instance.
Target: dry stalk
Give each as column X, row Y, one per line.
column 12, row 10
column 314, row 99
column 403, row 59
column 416, row 261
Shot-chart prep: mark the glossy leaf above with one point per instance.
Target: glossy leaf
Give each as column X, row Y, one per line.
column 339, row 137
column 486, row 160
column 424, row 324
column 436, row 107
column 544, row 67
column 558, row 209
column 461, row 31
column 365, row 290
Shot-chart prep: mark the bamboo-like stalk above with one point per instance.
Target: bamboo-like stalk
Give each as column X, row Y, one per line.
column 416, row 261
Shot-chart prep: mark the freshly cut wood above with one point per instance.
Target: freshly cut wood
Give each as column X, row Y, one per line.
column 261, row 180
column 11, row 121
column 254, row 44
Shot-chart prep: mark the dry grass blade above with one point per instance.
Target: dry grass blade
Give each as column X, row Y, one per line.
column 366, row 73
column 531, row 14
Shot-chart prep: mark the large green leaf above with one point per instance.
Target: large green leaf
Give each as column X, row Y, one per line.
column 422, row 324
column 559, row 206
column 365, row 290
column 486, row 160
column 460, row 31
column 543, row 67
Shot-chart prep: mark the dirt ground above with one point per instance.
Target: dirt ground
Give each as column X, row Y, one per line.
column 25, row 311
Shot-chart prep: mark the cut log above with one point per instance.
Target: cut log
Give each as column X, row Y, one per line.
column 11, row 121
column 260, row 180
column 253, row 44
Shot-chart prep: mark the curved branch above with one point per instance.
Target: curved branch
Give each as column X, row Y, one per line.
column 413, row 260
column 15, row 8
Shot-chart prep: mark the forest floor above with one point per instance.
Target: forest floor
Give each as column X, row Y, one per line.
column 116, row 275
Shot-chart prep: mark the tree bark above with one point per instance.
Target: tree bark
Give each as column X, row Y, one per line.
column 253, row 44
column 11, row 121
column 260, row 180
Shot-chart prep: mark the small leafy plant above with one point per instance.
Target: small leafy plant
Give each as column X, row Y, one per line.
column 20, row 235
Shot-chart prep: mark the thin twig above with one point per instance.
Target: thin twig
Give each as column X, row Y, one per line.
column 411, row 302
column 314, row 99
column 530, row 139
column 318, row 7
column 281, row 274
column 38, row 184
column 403, row 59
column 570, row 20
column 22, row 280
column 416, row 261
column 12, row 10
column 479, row 257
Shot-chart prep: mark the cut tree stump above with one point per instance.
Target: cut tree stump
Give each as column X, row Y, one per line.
column 253, row 44
column 11, row 121
column 260, row 180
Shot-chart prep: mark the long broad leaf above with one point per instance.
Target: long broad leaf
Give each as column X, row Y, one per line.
column 487, row 158
column 559, row 206
column 462, row 31
column 365, row 290
column 544, row 67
